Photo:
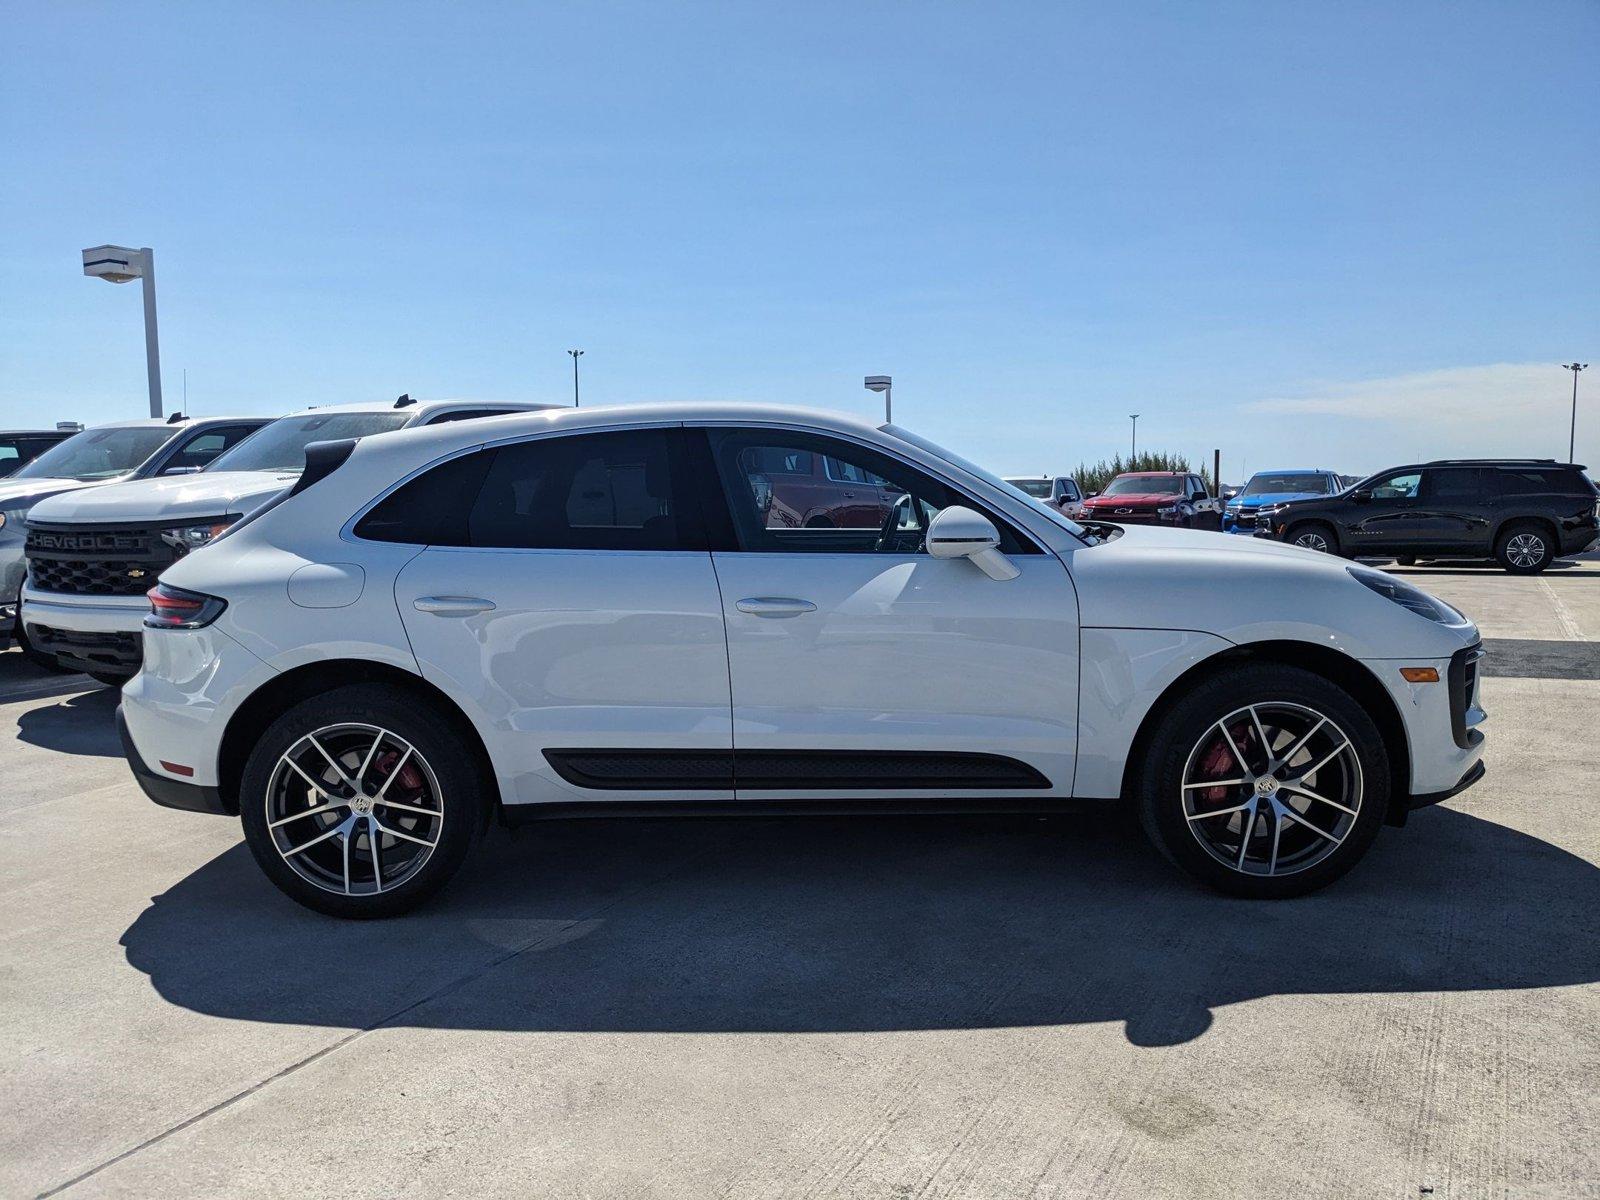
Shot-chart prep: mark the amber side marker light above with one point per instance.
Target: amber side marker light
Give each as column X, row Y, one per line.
column 1420, row 674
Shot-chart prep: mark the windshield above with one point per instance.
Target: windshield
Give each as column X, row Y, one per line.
column 1039, row 489
column 1261, row 485
column 98, row 453
column 1149, row 485
column 281, row 446
column 989, row 477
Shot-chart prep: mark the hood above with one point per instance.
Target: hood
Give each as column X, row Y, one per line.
column 179, row 497
column 23, row 493
column 1261, row 499
column 1133, row 500
column 1247, row 590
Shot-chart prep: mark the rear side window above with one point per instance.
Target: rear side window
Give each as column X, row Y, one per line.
column 1457, row 483
column 1533, row 481
column 604, row 491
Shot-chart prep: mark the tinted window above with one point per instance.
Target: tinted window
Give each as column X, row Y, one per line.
column 1154, row 485
column 431, row 509
column 467, row 414
column 1038, row 488
column 1288, row 482
column 1457, row 483
column 1530, row 481
column 603, row 491
column 199, row 450
column 772, row 512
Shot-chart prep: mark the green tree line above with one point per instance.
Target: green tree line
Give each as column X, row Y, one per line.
column 1094, row 477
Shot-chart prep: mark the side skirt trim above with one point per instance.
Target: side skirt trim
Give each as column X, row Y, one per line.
column 797, row 770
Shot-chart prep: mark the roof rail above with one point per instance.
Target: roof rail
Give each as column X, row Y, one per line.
column 1440, row 462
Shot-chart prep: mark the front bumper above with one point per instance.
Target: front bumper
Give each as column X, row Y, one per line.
column 1441, row 722
column 88, row 633
column 165, row 791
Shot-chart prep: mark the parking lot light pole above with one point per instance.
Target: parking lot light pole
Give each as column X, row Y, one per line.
column 1572, row 434
column 884, row 384
column 120, row 264
column 576, row 355
column 1134, row 453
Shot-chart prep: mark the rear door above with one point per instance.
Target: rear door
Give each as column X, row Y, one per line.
column 864, row 668
column 573, row 609
column 1457, row 511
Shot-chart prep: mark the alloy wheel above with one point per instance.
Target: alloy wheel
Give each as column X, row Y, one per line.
column 354, row 809
column 1525, row 550
column 1272, row 788
column 1312, row 540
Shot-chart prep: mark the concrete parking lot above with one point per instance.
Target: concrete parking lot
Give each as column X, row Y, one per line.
column 873, row 1008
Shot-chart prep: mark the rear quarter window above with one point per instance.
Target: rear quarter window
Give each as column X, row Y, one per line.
column 1535, row 481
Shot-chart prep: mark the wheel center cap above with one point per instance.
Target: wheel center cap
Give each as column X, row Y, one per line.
column 1266, row 785
column 361, row 804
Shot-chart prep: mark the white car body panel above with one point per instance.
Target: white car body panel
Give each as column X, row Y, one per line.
column 905, row 651
column 536, row 672
column 592, row 650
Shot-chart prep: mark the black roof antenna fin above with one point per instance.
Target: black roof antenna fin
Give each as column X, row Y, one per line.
column 404, row 400
column 175, row 418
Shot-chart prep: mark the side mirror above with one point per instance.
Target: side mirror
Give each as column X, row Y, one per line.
column 1091, row 495
column 182, row 471
column 1361, row 495
column 961, row 533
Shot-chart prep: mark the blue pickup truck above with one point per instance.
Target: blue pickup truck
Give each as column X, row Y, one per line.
column 1274, row 487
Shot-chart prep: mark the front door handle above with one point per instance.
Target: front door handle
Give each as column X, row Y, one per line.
column 452, row 606
column 774, row 606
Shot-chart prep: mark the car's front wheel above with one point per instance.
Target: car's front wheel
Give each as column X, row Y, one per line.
column 1314, row 535
column 360, row 802
column 1264, row 781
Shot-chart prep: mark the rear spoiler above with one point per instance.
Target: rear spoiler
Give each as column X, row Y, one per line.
column 322, row 460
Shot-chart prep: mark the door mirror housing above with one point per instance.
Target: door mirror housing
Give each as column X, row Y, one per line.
column 958, row 532
column 182, row 471
column 1361, row 495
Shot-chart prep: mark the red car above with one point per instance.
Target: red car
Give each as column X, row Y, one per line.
column 802, row 489
column 1177, row 498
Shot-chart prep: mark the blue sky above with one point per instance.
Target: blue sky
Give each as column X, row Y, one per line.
column 1336, row 235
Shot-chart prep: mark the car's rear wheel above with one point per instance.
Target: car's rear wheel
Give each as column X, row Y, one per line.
column 1406, row 560
column 1265, row 781
column 1314, row 535
column 360, row 802
column 1525, row 548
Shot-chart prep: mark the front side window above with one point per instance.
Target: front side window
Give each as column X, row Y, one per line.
column 599, row 491
column 838, row 514
column 98, row 453
column 1403, row 486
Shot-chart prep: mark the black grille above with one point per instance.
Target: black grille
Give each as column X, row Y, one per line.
column 114, row 653
column 1463, row 684
column 100, row 560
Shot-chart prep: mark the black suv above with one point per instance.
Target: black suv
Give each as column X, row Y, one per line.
column 1525, row 512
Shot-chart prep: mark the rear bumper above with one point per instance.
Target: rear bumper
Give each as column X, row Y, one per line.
column 169, row 793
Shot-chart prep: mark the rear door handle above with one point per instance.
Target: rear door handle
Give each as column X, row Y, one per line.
column 774, row 606
column 452, row 606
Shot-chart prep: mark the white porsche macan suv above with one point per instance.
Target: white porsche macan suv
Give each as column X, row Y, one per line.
column 619, row 610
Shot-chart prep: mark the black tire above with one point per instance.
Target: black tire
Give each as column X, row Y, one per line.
column 454, row 772
column 108, row 678
column 1304, row 533
column 1525, row 547
column 1406, row 560
column 1162, row 800
column 819, row 523
column 35, row 655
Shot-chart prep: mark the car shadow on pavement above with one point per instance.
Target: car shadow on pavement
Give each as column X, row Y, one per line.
column 821, row 925
column 79, row 724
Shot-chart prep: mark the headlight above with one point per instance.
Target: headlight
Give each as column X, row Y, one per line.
column 16, row 518
column 1407, row 596
column 184, row 538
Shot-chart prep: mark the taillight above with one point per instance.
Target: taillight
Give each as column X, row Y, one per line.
column 174, row 608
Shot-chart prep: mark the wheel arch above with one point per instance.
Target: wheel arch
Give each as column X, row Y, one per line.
column 1546, row 523
column 1349, row 673
column 1336, row 535
column 283, row 691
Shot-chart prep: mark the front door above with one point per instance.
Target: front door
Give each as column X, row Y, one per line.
column 862, row 667
column 573, row 609
column 1392, row 520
